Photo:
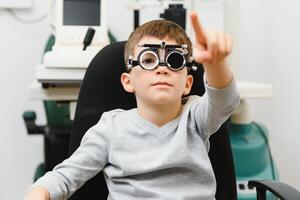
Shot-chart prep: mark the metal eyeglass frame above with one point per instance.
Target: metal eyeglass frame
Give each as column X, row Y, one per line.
column 153, row 49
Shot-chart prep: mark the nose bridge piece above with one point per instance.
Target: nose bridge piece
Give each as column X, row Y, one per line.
column 161, row 57
column 161, row 54
column 162, row 64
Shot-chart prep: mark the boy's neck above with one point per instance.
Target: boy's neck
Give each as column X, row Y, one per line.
column 159, row 114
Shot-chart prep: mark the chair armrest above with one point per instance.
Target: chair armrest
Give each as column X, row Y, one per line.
column 279, row 189
column 29, row 118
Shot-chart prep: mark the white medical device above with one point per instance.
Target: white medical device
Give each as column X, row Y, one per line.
column 74, row 18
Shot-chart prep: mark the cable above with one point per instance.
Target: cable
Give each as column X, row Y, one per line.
column 52, row 14
column 29, row 21
column 88, row 37
column 26, row 21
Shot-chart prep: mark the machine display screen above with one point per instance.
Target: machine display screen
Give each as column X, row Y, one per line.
column 81, row 12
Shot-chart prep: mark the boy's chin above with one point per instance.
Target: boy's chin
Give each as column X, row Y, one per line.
column 164, row 100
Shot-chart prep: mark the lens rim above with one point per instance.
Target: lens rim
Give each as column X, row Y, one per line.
column 148, row 51
column 169, row 65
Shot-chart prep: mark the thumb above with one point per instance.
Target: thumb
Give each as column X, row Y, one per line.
column 203, row 57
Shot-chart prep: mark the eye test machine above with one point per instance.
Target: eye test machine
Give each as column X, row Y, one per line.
column 80, row 33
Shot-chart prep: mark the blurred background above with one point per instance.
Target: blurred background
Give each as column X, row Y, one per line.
column 266, row 50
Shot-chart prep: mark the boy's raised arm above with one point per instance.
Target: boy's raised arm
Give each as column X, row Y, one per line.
column 211, row 49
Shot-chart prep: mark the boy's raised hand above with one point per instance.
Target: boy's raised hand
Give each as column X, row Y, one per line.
column 211, row 47
column 38, row 193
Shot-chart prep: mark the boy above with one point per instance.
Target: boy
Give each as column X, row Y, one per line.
column 158, row 150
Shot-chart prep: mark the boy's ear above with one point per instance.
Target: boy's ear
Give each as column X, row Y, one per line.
column 188, row 84
column 126, row 82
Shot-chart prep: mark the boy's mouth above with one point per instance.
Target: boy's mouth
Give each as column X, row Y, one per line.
column 162, row 84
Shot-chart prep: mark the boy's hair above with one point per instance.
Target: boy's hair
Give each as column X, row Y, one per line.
column 159, row 29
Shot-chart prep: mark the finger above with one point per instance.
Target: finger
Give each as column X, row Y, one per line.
column 212, row 43
column 222, row 45
column 216, row 47
column 202, row 56
column 229, row 44
column 199, row 31
column 205, row 57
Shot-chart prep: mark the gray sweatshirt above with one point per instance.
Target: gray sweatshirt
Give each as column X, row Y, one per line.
column 143, row 161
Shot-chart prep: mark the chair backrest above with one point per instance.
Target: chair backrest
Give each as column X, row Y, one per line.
column 101, row 91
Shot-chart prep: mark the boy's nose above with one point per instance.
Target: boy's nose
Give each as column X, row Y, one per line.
column 162, row 70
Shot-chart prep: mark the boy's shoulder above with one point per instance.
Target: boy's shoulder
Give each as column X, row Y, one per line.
column 114, row 111
column 190, row 100
column 117, row 111
column 116, row 114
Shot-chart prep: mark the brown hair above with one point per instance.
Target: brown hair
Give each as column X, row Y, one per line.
column 159, row 29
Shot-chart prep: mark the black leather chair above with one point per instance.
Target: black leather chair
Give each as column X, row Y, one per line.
column 101, row 91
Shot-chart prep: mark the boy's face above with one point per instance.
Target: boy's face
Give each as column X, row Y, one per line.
column 158, row 86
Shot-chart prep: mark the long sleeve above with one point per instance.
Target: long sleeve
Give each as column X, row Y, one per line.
column 83, row 164
column 215, row 107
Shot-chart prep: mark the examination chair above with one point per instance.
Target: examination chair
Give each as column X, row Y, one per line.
column 101, row 91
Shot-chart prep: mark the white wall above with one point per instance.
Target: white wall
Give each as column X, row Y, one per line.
column 269, row 35
column 21, row 47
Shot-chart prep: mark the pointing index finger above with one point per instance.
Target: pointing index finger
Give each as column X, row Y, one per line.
column 198, row 29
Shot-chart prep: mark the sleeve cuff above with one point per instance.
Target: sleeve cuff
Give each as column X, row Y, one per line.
column 221, row 94
column 50, row 186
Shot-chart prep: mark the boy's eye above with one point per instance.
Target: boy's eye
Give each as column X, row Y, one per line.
column 148, row 61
